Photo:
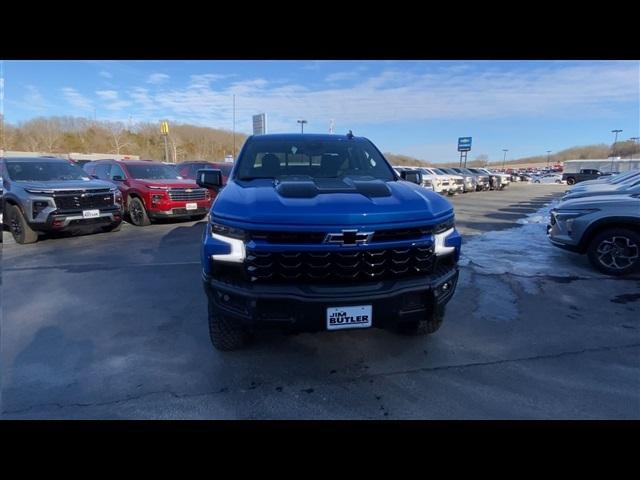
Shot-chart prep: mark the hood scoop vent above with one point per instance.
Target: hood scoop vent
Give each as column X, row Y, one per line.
column 308, row 187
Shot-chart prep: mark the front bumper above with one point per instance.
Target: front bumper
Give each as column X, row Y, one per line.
column 178, row 212
column 304, row 307
column 76, row 221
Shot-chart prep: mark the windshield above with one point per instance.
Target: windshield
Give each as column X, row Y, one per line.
column 153, row 172
column 44, row 171
column 625, row 177
column 337, row 158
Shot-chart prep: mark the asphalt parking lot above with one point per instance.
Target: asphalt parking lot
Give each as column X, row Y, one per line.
column 113, row 326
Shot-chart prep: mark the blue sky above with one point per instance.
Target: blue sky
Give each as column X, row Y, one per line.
column 416, row 108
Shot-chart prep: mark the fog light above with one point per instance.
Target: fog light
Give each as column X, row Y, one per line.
column 445, row 287
column 58, row 222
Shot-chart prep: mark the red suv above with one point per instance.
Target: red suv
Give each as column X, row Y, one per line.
column 189, row 169
column 153, row 190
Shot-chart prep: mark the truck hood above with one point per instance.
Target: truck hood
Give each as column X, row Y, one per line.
column 66, row 184
column 173, row 183
column 341, row 202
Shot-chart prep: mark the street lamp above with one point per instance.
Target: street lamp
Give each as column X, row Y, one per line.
column 548, row 152
column 505, row 150
column 302, row 122
column 614, row 146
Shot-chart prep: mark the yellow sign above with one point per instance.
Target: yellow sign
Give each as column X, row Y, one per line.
column 164, row 128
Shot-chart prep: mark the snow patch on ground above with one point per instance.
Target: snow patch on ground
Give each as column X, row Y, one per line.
column 524, row 251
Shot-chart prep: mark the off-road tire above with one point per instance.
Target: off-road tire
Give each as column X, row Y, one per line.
column 225, row 334
column 21, row 231
column 137, row 213
column 425, row 327
column 628, row 241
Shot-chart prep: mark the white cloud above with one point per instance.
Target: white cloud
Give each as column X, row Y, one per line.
column 107, row 94
column 158, row 78
column 340, row 77
column 105, row 74
column 76, row 99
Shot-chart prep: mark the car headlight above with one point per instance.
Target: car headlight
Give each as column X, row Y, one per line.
column 226, row 231
column 568, row 214
column 444, row 226
column 234, row 237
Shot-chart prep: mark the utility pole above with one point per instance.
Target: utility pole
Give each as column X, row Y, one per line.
column 505, row 150
column 614, row 146
column 302, row 122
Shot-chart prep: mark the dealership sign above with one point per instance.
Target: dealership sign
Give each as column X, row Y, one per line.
column 464, row 144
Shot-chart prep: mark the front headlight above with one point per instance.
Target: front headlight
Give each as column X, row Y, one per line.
column 234, row 237
column 226, row 231
column 568, row 214
column 444, row 226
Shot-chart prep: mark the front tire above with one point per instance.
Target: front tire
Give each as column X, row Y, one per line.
column 571, row 181
column 20, row 229
column 425, row 327
column 137, row 213
column 226, row 335
column 615, row 251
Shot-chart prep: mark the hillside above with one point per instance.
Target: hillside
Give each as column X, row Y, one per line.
column 189, row 142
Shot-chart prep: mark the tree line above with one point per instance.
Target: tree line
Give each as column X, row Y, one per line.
column 190, row 142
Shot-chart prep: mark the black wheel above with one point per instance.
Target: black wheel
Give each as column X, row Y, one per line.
column 425, row 327
column 21, row 231
column 615, row 251
column 225, row 334
column 197, row 218
column 138, row 213
column 571, row 181
column 111, row 228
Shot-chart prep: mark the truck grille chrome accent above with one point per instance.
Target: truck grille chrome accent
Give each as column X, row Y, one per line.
column 183, row 194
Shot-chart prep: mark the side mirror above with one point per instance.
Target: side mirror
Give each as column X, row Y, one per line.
column 413, row 176
column 209, row 179
column 117, row 178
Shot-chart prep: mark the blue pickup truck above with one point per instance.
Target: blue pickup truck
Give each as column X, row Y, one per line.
column 317, row 232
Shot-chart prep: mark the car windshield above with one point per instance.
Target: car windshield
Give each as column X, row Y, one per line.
column 337, row 158
column 44, row 171
column 153, row 172
column 625, row 177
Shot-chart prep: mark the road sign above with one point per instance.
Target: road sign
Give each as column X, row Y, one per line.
column 259, row 124
column 164, row 128
column 464, row 144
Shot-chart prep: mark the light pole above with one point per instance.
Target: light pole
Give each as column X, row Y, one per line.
column 505, row 150
column 614, row 146
column 548, row 152
column 302, row 122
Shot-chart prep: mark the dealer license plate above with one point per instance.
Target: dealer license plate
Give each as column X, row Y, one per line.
column 339, row 318
column 192, row 206
column 90, row 213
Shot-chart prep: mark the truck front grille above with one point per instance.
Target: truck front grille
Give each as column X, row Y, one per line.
column 83, row 200
column 337, row 266
column 187, row 194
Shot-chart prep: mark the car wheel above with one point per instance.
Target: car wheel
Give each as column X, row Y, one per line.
column 615, row 251
column 137, row 213
column 21, row 231
column 425, row 327
column 571, row 181
column 225, row 334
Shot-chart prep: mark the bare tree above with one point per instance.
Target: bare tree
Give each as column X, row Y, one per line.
column 118, row 136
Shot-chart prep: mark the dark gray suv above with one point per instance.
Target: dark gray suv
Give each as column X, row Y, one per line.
column 43, row 194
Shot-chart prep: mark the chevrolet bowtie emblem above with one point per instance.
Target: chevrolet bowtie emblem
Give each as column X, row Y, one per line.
column 349, row 237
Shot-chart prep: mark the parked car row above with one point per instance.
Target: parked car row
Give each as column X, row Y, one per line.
column 452, row 181
column 601, row 218
column 47, row 194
